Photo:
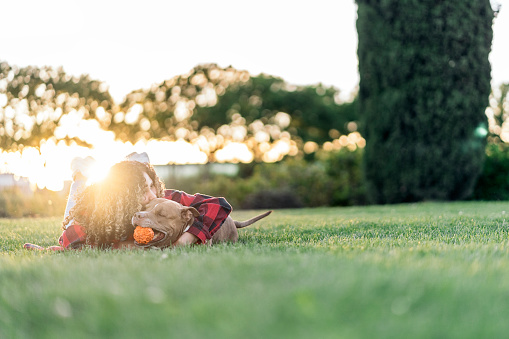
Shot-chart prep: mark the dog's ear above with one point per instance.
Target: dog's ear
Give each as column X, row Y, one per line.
column 189, row 213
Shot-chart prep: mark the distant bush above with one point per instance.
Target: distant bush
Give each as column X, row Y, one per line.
column 306, row 180
column 271, row 199
column 344, row 168
column 12, row 203
column 331, row 179
column 15, row 203
column 493, row 183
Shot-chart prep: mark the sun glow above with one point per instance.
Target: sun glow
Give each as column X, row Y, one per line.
column 234, row 152
column 98, row 172
column 49, row 165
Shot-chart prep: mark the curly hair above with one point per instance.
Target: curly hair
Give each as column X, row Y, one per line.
column 104, row 209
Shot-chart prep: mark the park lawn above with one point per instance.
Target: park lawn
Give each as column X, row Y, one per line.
column 430, row 270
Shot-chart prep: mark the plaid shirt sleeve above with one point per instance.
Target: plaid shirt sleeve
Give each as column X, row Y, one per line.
column 73, row 237
column 213, row 212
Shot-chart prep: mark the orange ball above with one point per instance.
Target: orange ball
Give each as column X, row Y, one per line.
column 143, row 235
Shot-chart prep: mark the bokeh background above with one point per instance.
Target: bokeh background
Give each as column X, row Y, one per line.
column 254, row 101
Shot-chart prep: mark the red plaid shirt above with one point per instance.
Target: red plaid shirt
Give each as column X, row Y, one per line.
column 213, row 213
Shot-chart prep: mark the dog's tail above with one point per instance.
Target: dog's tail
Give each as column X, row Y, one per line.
column 241, row 224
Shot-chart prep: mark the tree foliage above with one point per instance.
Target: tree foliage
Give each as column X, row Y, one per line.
column 209, row 97
column 34, row 100
column 207, row 101
column 424, row 86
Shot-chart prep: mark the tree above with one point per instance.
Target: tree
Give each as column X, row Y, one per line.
column 424, row 87
column 209, row 97
column 34, row 100
column 220, row 104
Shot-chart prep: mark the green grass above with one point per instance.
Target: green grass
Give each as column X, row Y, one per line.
column 432, row 270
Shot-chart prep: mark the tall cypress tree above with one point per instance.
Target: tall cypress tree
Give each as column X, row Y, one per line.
column 424, row 87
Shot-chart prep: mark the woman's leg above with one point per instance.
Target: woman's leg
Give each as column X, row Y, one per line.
column 71, row 199
column 80, row 168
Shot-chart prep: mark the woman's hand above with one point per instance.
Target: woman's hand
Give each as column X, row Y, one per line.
column 186, row 239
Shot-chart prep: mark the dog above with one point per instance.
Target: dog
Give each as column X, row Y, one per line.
column 169, row 220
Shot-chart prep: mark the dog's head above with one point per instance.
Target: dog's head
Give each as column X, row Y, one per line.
column 168, row 219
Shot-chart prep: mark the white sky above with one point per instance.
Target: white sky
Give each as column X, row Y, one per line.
column 133, row 44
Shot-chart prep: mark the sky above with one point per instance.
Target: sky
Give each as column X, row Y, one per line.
column 134, row 44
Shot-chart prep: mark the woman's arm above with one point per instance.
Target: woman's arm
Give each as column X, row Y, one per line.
column 213, row 212
column 186, row 239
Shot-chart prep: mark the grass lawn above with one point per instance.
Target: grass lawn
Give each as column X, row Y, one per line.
column 431, row 270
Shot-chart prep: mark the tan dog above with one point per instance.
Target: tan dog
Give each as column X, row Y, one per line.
column 169, row 220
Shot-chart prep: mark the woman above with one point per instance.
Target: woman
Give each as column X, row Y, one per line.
column 100, row 215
